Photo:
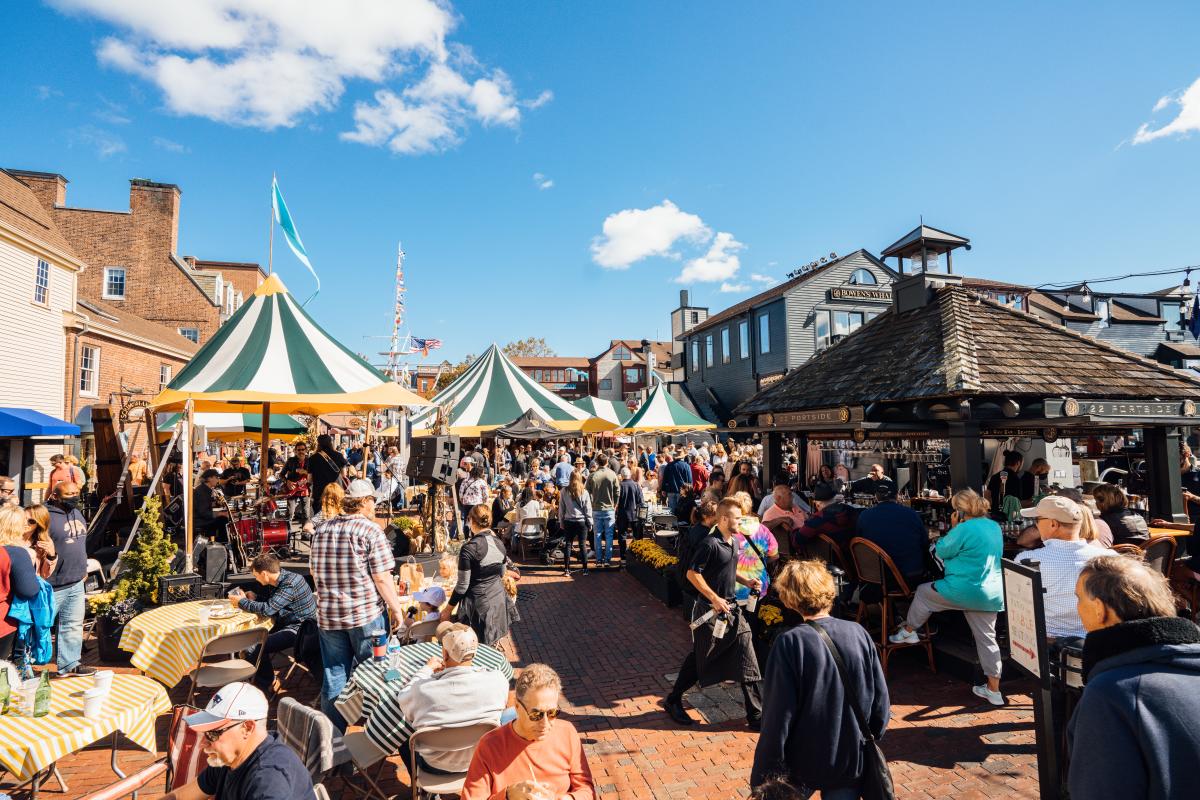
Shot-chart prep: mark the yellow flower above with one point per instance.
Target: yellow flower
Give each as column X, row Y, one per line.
column 647, row 551
column 769, row 615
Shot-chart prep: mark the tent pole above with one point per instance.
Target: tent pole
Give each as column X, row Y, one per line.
column 188, row 505
column 263, row 463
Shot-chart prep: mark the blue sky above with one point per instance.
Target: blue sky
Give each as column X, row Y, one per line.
column 739, row 140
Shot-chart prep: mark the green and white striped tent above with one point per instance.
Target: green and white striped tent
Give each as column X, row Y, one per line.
column 611, row 410
column 219, row 426
column 271, row 352
column 662, row 413
column 493, row 392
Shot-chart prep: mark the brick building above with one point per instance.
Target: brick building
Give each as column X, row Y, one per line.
column 134, row 263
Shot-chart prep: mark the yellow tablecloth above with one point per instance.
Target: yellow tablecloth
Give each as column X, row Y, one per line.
column 30, row 744
column 166, row 641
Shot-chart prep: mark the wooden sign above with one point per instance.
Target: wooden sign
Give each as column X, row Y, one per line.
column 820, row 416
column 1126, row 408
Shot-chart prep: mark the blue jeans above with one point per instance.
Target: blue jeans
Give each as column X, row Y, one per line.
column 341, row 652
column 672, row 501
column 604, row 532
column 68, row 620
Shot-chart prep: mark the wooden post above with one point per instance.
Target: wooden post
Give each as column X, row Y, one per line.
column 188, row 506
column 263, row 463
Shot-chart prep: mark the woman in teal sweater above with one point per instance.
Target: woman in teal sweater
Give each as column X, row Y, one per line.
column 971, row 553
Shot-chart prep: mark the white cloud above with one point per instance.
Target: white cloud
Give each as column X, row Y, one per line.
column 545, row 97
column 269, row 63
column 46, row 92
column 765, row 280
column 637, row 233
column 542, row 182
column 734, row 287
column 110, row 112
column 1186, row 122
column 105, row 143
column 720, row 263
column 168, row 145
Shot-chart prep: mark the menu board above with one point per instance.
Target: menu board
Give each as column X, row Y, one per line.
column 1026, row 625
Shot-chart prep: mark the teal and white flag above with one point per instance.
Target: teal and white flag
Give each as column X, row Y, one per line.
column 284, row 218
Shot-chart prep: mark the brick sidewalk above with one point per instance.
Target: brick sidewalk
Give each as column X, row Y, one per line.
column 615, row 645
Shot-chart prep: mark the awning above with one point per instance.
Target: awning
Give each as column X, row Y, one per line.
column 22, row 422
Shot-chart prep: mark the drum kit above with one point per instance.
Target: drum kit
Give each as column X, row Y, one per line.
column 258, row 525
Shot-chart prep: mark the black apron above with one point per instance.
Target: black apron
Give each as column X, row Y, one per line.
column 730, row 658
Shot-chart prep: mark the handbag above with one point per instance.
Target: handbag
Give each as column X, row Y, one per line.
column 876, row 777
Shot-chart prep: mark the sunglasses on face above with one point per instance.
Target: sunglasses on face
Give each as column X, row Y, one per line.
column 212, row 736
column 536, row 714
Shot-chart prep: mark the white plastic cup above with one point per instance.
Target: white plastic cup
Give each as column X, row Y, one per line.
column 93, row 702
column 202, row 613
column 27, row 697
column 102, row 679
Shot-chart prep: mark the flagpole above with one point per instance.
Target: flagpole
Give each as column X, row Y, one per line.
column 271, row 229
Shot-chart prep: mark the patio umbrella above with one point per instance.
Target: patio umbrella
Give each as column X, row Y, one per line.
column 662, row 413
column 493, row 392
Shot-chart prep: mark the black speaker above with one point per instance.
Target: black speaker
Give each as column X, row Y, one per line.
column 433, row 458
column 214, row 563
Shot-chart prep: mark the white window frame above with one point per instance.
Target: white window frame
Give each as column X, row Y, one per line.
column 164, row 376
column 764, row 333
column 822, row 321
column 41, row 283
column 863, row 272
column 189, row 338
column 108, row 273
column 744, row 338
column 91, row 356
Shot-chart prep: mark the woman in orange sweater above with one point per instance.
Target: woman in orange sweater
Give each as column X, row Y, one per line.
column 535, row 757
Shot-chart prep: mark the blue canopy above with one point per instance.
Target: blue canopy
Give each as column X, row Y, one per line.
column 21, row 422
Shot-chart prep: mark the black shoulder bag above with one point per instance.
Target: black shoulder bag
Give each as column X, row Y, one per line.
column 876, row 777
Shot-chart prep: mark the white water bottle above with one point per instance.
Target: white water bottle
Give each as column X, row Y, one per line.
column 719, row 627
column 752, row 602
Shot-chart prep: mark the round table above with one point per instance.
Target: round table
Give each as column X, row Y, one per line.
column 370, row 694
column 29, row 746
column 166, row 641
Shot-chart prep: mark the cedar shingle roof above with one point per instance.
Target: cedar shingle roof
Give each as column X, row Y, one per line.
column 20, row 208
column 960, row 345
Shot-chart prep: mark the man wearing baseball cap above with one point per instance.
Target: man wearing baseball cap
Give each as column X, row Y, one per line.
column 244, row 761
column 1061, row 558
column 451, row 690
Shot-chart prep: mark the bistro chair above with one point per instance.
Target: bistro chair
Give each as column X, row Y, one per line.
column 1128, row 549
column 444, row 739
column 822, row 547
column 215, row 674
column 665, row 532
column 876, row 568
column 422, row 631
column 535, row 538
column 1159, row 553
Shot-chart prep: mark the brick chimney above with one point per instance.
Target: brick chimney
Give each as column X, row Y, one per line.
column 156, row 206
column 49, row 188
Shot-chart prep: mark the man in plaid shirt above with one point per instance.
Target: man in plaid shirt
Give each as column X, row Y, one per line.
column 352, row 569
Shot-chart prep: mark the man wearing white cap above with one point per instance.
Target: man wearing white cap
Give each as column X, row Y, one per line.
column 244, row 761
column 451, row 690
column 1061, row 558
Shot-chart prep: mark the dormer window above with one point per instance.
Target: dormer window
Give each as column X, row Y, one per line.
column 622, row 354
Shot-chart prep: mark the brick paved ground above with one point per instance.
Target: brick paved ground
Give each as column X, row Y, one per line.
column 614, row 646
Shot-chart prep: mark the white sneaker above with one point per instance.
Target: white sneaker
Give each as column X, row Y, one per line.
column 995, row 698
column 904, row 636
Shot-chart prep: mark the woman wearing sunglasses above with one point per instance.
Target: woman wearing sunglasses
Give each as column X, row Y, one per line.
column 535, row 757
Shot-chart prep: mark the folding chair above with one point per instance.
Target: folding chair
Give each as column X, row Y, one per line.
column 185, row 758
column 130, row 784
column 218, row 673
column 446, row 738
column 1159, row 553
column 535, row 537
column 875, row 567
column 319, row 792
column 365, row 754
column 421, row 632
column 312, row 736
column 308, row 645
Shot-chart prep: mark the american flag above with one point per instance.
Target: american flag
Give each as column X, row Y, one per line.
column 424, row 345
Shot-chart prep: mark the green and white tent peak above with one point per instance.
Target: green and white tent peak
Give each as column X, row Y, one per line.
column 663, row 413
